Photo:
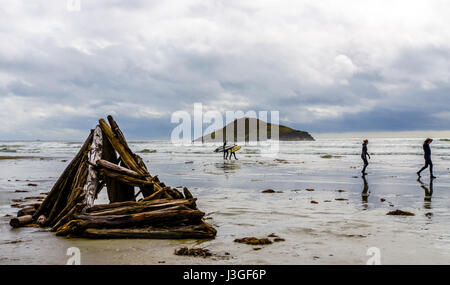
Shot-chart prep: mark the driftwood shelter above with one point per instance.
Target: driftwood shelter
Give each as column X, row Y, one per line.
column 105, row 160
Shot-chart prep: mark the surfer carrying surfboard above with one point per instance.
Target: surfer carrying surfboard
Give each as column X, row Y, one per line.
column 228, row 150
column 225, row 153
column 232, row 153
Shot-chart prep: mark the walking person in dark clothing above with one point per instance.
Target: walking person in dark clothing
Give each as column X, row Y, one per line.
column 427, row 156
column 364, row 155
column 233, row 153
column 225, row 153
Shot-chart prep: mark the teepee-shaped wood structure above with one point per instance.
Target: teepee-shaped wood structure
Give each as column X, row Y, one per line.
column 106, row 160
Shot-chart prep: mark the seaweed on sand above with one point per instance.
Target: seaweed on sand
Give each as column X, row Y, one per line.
column 330, row 156
column 197, row 252
column 253, row 240
column 400, row 213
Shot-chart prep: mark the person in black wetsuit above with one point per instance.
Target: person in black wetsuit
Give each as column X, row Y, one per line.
column 427, row 156
column 364, row 155
column 225, row 153
column 233, row 154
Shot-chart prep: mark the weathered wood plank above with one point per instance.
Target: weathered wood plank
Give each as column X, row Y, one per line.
column 187, row 193
column 117, row 190
column 158, row 194
column 119, row 135
column 102, row 207
column 145, row 207
column 116, row 130
column 126, row 157
column 78, row 196
column 165, row 217
column 119, row 169
column 131, row 159
column 26, row 211
column 64, row 179
column 76, row 190
column 21, row 221
column 201, row 231
column 125, row 178
column 95, row 154
column 68, row 216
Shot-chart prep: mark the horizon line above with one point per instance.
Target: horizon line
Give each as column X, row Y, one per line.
column 321, row 135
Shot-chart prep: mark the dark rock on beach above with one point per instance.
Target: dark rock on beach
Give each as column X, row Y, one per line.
column 146, row 150
column 34, row 198
column 12, row 242
column 281, row 161
column 400, row 213
column 196, row 252
column 271, row 191
column 279, row 239
column 330, row 156
column 360, row 236
column 253, row 240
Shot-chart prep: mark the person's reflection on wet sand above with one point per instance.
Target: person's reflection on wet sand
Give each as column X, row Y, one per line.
column 365, row 192
column 428, row 193
column 227, row 166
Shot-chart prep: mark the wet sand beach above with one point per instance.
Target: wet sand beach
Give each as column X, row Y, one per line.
column 322, row 207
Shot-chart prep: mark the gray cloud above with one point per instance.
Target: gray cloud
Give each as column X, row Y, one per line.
column 327, row 67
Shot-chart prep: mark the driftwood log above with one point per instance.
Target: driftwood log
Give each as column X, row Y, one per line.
column 171, row 216
column 200, row 231
column 145, row 206
column 21, row 221
column 105, row 159
column 92, row 180
column 26, row 211
column 117, row 190
column 54, row 200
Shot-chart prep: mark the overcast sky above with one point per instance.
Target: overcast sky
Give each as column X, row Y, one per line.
column 327, row 66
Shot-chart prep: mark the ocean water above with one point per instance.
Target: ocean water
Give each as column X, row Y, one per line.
column 229, row 192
